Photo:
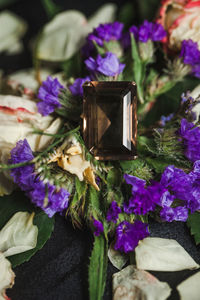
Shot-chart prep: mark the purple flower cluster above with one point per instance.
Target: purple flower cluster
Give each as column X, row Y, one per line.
column 183, row 186
column 106, row 32
column 113, row 212
column 27, row 179
column 144, row 199
column 128, row 235
column 109, row 65
column 191, row 56
column 191, row 139
column 148, row 31
column 98, row 227
column 49, row 92
column 174, row 184
column 77, row 87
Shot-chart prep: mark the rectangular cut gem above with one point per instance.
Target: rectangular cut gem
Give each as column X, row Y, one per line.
column 110, row 119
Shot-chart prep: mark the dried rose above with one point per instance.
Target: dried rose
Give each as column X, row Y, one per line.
column 181, row 20
column 18, row 118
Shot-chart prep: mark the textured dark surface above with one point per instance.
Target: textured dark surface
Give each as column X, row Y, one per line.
column 59, row 270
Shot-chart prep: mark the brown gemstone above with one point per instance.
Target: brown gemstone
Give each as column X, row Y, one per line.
column 109, row 119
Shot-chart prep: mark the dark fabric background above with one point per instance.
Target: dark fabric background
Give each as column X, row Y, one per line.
column 59, row 270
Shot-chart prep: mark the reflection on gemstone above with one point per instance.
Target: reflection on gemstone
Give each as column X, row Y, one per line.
column 109, row 119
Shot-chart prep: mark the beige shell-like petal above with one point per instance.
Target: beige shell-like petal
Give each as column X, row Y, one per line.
column 6, row 276
column 157, row 254
column 75, row 164
column 189, row 288
column 89, row 176
column 133, row 284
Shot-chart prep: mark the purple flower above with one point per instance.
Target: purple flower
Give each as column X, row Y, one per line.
column 106, row 32
column 22, row 152
column 178, row 213
column 185, row 187
column 165, row 119
column 98, row 227
column 128, row 235
column 134, row 30
column 148, row 31
column 109, row 65
column 190, row 52
column 49, row 92
column 191, row 56
column 191, row 139
column 113, row 212
column 76, row 88
column 143, row 199
column 36, row 190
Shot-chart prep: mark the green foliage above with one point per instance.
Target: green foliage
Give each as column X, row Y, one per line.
column 98, row 268
column 72, row 66
column 50, row 7
column 114, row 178
column 127, row 14
column 11, row 204
column 147, row 9
column 137, row 168
column 138, row 68
column 193, row 223
column 169, row 102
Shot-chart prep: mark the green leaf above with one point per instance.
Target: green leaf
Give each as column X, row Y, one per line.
column 114, row 177
column 51, row 8
column 159, row 164
column 72, row 66
column 126, row 14
column 11, row 204
column 98, row 268
column 147, row 8
column 81, row 188
column 138, row 68
column 129, row 165
column 193, row 223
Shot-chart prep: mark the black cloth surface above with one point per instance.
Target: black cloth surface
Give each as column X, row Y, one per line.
column 59, row 270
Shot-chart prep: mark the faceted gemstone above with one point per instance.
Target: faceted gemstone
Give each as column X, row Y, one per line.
column 109, row 119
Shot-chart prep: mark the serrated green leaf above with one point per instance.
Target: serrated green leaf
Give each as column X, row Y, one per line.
column 11, row 204
column 159, row 164
column 193, row 223
column 98, row 268
column 114, row 177
column 129, row 165
column 81, row 188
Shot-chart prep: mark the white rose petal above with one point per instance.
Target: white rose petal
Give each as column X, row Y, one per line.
column 19, row 234
column 65, row 34
column 27, row 78
column 6, row 276
column 189, row 288
column 12, row 28
column 157, row 254
column 131, row 283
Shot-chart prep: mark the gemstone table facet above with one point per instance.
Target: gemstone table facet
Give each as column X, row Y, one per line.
column 110, row 119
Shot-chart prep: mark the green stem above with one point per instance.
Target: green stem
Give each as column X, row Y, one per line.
column 98, row 268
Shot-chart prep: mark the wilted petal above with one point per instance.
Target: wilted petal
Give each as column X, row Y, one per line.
column 157, row 254
column 133, row 284
column 19, row 234
column 189, row 288
column 6, row 276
